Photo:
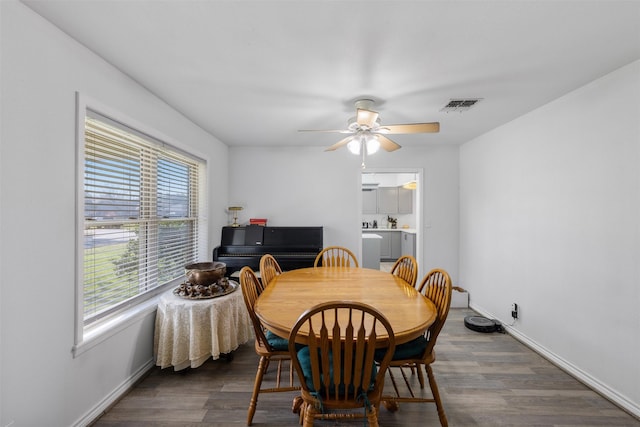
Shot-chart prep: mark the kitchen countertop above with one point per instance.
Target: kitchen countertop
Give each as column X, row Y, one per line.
column 371, row 236
column 382, row 230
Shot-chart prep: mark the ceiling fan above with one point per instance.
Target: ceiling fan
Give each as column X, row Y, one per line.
column 366, row 132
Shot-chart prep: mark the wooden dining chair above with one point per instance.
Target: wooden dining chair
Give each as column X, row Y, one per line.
column 436, row 286
column 336, row 256
column 269, row 268
column 406, row 267
column 268, row 346
column 336, row 365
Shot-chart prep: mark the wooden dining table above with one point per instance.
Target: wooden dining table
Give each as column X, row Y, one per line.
column 293, row 292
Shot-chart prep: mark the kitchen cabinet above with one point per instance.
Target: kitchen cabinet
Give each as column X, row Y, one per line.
column 390, row 244
column 385, row 246
column 388, row 200
column 405, row 201
column 396, row 247
column 408, row 244
column 369, row 201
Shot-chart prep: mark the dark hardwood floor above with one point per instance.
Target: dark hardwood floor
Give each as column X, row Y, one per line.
column 484, row 380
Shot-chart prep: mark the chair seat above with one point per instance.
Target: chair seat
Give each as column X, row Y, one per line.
column 409, row 350
column 276, row 342
column 305, row 364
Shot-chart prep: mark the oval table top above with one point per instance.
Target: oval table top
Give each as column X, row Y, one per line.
column 293, row 292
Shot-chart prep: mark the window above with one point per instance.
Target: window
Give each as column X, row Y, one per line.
column 140, row 208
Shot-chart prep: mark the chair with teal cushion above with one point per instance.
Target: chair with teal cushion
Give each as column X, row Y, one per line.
column 338, row 376
column 268, row 346
column 435, row 286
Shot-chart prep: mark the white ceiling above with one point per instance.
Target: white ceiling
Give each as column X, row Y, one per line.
column 254, row 72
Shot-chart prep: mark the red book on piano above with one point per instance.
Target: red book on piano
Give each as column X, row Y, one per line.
column 258, row 221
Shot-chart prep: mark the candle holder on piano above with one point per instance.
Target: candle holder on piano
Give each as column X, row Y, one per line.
column 235, row 210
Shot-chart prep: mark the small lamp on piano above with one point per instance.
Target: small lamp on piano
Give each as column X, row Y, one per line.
column 235, row 210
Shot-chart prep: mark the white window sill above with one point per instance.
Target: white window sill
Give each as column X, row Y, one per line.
column 102, row 331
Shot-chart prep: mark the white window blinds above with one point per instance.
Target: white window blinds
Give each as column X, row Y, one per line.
column 140, row 216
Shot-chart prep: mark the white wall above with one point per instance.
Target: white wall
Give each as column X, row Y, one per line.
column 42, row 68
column 550, row 214
column 549, row 206
column 307, row 186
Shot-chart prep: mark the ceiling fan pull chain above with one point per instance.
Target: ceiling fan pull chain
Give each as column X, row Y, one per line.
column 364, row 153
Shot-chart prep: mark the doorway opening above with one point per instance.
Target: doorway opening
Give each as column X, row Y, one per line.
column 392, row 210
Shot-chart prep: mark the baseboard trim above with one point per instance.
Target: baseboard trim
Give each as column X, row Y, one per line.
column 91, row 416
column 584, row 377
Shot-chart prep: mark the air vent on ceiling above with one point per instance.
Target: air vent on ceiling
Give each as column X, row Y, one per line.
column 460, row 104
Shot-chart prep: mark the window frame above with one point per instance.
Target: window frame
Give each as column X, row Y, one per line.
column 87, row 336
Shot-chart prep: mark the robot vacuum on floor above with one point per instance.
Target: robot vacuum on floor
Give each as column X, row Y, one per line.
column 482, row 324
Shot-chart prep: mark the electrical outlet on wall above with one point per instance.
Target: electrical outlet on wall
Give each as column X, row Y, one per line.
column 514, row 310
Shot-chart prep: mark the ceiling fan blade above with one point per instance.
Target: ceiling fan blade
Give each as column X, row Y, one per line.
column 339, row 144
column 387, row 144
column 328, row 130
column 366, row 117
column 411, row 128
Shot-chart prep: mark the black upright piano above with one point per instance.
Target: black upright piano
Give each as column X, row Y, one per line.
column 292, row 247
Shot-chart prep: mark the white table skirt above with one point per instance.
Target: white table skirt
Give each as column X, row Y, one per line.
column 188, row 332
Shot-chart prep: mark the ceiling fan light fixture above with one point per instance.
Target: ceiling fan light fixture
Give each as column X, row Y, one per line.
column 373, row 145
column 354, row 146
column 364, row 142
